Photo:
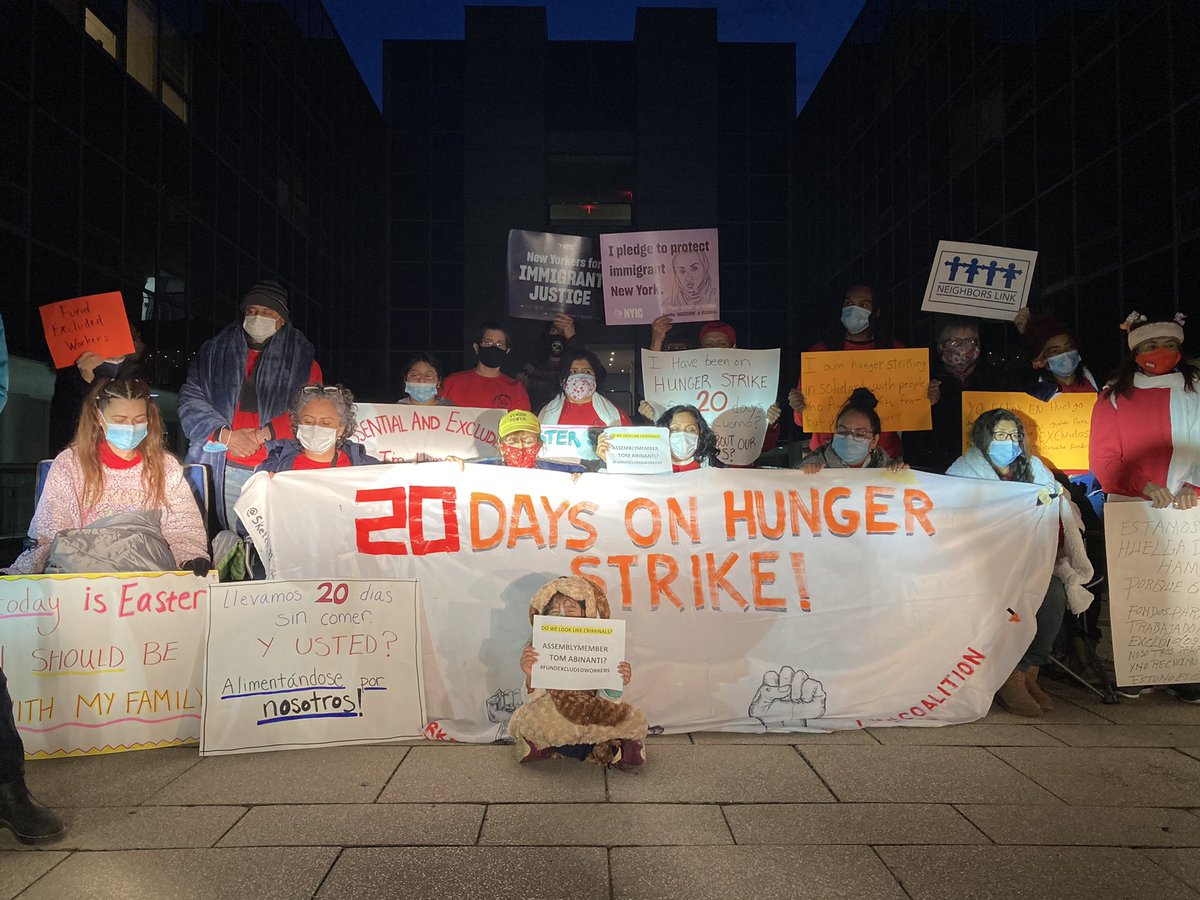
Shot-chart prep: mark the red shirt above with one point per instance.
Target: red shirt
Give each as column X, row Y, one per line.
column 686, row 467
column 110, row 459
column 469, row 388
column 1081, row 386
column 281, row 425
column 303, row 462
column 585, row 414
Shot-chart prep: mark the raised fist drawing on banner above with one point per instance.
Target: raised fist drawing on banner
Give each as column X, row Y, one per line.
column 788, row 699
column 502, row 704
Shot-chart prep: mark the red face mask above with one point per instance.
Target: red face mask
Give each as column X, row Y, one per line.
column 1158, row 362
column 519, row 457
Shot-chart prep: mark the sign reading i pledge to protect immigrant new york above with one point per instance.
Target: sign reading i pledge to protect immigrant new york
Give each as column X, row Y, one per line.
column 979, row 280
column 898, row 378
column 731, row 388
column 550, row 274
column 1154, row 591
column 742, row 590
column 311, row 663
column 577, row 654
column 1056, row 430
column 653, row 273
column 99, row 663
column 403, row 432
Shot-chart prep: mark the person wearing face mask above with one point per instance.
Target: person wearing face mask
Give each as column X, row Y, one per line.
column 423, row 381
column 73, row 383
column 540, row 375
column 238, row 388
column 485, row 386
column 579, row 402
column 1054, row 354
column 693, row 442
column 116, row 463
column 997, row 453
column 519, row 440
column 323, row 418
column 958, row 365
column 855, row 442
column 1145, row 438
column 862, row 326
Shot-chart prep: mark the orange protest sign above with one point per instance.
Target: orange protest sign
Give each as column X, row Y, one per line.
column 95, row 324
column 1056, row 431
column 898, row 378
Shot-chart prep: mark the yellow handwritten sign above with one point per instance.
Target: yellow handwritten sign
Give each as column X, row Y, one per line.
column 899, row 378
column 1057, row 431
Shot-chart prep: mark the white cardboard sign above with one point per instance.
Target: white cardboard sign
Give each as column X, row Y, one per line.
column 979, row 280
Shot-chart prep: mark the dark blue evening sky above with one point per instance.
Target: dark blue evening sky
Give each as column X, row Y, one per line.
column 815, row 26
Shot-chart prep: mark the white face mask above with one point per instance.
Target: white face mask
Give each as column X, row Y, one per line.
column 683, row 444
column 259, row 327
column 316, row 438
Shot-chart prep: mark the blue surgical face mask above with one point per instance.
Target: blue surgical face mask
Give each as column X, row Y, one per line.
column 1064, row 364
column 851, row 449
column 124, row 437
column 1003, row 453
column 419, row 392
column 855, row 319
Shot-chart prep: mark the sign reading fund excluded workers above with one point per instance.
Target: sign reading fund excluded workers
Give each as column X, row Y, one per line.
column 978, row 280
column 652, row 273
column 550, row 274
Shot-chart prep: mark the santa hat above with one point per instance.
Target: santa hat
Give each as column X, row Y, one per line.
column 1141, row 329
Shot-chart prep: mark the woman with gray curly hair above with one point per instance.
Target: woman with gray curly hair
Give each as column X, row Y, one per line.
column 323, row 420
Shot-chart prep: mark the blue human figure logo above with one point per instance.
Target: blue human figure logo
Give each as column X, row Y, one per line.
column 1010, row 274
column 954, row 264
column 972, row 269
column 991, row 268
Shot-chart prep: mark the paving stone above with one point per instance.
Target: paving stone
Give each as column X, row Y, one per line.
column 277, row 873
column 973, row 734
column 1100, row 826
column 487, row 774
column 1083, row 873
column 851, row 823
column 321, row 775
column 1126, row 735
column 605, row 824
column 681, row 737
column 849, row 736
column 358, row 824
column 19, row 870
column 580, row 873
column 1183, row 864
column 1065, row 712
column 1155, row 708
column 114, row 779
column 140, row 827
column 766, row 873
column 928, row 775
column 720, row 774
column 1085, row 776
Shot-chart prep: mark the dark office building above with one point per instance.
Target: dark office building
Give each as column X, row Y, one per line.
column 1069, row 128
column 179, row 151
column 507, row 129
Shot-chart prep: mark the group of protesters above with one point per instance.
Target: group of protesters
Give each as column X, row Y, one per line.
column 255, row 400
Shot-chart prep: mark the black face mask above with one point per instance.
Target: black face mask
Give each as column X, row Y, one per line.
column 106, row 370
column 492, row 357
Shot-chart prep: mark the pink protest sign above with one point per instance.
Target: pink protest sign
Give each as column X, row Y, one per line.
column 652, row 273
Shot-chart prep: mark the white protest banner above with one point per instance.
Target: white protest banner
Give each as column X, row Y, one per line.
column 754, row 602
column 636, row 450
column 652, row 273
column 402, row 432
column 103, row 663
column 731, row 388
column 576, row 655
column 979, row 280
column 569, row 442
column 296, row 664
column 1154, row 591
column 550, row 274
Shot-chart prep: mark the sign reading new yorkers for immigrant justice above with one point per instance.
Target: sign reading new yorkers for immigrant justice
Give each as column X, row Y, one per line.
column 550, row 274
column 1154, row 591
column 103, row 663
column 744, row 591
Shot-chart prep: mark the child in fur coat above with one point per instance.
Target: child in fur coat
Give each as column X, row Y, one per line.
column 591, row 726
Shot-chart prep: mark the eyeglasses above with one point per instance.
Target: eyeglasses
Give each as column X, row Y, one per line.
column 1014, row 436
column 320, row 389
column 960, row 342
column 520, row 440
column 860, row 434
column 503, row 345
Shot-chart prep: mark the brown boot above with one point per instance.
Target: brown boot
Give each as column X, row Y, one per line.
column 1044, row 700
column 1014, row 696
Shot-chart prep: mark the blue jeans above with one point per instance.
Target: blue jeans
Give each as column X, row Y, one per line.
column 1049, row 620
